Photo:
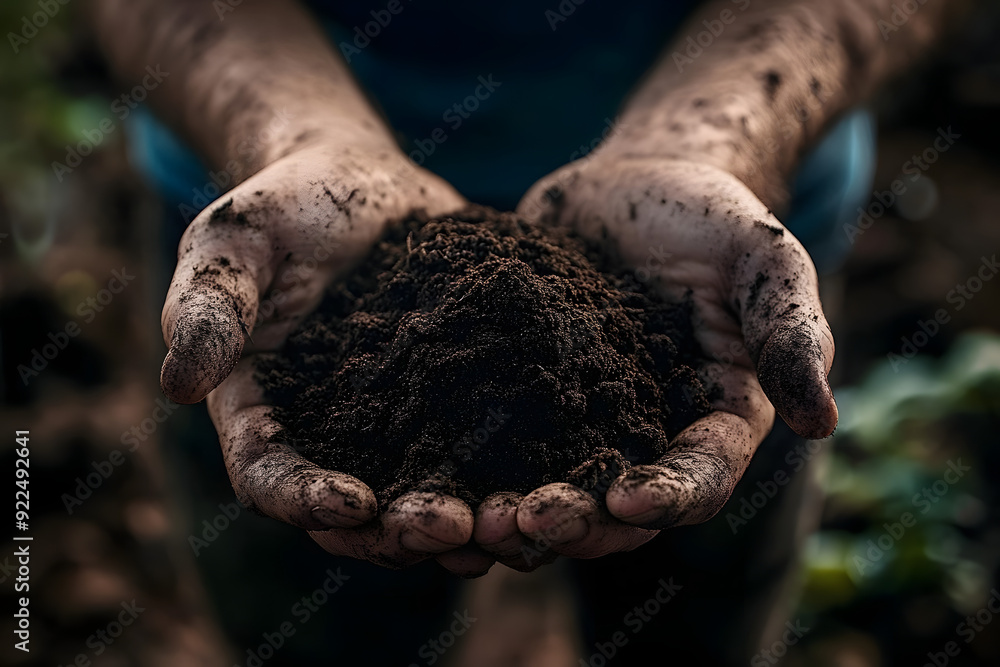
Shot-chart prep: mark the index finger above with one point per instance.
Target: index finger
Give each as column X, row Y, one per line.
column 692, row 482
column 270, row 476
column 698, row 474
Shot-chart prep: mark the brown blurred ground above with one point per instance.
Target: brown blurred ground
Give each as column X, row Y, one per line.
column 122, row 542
column 129, row 539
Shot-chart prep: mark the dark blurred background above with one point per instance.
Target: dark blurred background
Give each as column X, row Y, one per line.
column 919, row 404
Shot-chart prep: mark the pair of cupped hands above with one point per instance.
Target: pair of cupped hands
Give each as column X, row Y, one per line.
column 257, row 261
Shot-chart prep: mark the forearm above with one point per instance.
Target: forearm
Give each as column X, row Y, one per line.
column 247, row 86
column 758, row 94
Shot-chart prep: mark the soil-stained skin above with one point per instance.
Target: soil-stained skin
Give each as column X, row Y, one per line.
column 220, row 298
column 475, row 354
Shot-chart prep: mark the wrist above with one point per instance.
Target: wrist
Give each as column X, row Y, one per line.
column 274, row 131
column 376, row 175
column 735, row 132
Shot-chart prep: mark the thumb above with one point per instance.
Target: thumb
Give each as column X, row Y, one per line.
column 785, row 330
column 212, row 301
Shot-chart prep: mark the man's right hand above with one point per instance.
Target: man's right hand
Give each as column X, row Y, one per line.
column 250, row 267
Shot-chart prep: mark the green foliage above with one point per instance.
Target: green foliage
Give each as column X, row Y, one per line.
column 902, row 437
column 37, row 117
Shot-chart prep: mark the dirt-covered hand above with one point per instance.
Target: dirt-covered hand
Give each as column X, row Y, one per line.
column 250, row 267
column 696, row 231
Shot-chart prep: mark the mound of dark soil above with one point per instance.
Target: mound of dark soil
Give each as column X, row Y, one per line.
column 475, row 354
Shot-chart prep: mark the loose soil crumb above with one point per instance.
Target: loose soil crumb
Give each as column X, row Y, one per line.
column 476, row 354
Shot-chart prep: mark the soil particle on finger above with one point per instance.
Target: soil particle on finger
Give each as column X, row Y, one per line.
column 774, row 229
column 220, row 211
column 203, row 271
column 596, row 475
column 477, row 354
column 754, row 290
column 243, row 215
column 772, row 81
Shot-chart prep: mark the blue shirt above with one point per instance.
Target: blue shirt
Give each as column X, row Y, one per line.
column 493, row 96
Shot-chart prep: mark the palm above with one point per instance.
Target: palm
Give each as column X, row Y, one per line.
column 694, row 231
column 251, row 267
column 682, row 230
column 272, row 245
